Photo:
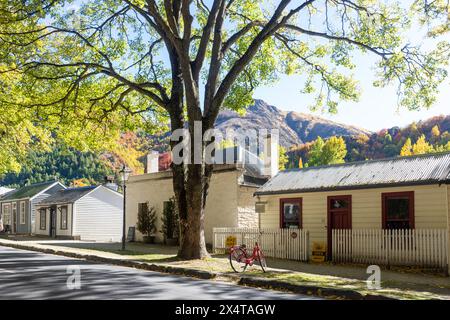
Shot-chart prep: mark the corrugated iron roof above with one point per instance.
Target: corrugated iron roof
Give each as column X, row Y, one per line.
column 68, row 195
column 27, row 191
column 4, row 190
column 422, row 169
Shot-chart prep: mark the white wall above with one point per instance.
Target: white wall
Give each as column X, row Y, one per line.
column 98, row 216
column 37, row 229
column 221, row 205
column 35, row 201
column 64, row 232
column 59, row 232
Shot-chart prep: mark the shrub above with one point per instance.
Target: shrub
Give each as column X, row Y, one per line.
column 146, row 223
column 170, row 220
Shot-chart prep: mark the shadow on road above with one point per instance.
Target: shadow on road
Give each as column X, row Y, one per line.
column 29, row 275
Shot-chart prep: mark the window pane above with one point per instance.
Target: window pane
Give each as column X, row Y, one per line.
column 291, row 215
column 397, row 208
column 339, row 204
column 43, row 220
column 64, row 218
column 397, row 212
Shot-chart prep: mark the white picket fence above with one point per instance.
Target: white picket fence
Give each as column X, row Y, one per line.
column 290, row 244
column 417, row 247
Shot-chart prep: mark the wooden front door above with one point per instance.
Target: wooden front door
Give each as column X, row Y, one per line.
column 14, row 221
column 53, row 222
column 339, row 216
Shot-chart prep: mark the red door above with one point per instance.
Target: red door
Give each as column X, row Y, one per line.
column 339, row 216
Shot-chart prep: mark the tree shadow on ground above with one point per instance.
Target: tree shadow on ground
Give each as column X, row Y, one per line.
column 29, row 275
column 131, row 249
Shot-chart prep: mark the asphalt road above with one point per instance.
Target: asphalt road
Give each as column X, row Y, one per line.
column 33, row 275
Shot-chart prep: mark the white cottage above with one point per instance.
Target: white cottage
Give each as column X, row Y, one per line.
column 86, row 213
column 230, row 195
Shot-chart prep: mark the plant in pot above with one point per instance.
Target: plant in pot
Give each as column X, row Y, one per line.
column 146, row 223
column 170, row 223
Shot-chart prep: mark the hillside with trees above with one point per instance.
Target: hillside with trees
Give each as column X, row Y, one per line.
column 76, row 168
column 427, row 136
column 69, row 166
column 83, row 168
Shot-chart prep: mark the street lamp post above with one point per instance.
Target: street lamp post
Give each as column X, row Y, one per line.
column 125, row 174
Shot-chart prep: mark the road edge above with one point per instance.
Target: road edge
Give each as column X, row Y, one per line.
column 245, row 280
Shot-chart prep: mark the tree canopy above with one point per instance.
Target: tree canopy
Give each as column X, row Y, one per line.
column 88, row 70
column 331, row 151
column 109, row 61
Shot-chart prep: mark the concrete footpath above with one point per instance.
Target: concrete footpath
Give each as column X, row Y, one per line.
column 330, row 281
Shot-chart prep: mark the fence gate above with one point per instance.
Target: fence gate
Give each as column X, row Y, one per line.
column 290, row 244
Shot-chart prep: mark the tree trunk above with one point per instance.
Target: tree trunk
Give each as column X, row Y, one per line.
column 193, row 244
column 191, row 181
column 190, row 184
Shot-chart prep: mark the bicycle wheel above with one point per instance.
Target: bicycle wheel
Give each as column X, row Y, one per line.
column 262, row 261
column 238, row 260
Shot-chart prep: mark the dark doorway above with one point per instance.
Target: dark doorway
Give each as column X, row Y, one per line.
column 53, row 222
column 14, row 218
column 339, row 216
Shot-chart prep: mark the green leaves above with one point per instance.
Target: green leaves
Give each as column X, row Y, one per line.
column 89, row 70
column 331, row 151
column 433, row 14
column 418, row 75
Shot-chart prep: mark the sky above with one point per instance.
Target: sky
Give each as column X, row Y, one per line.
column 377, row 108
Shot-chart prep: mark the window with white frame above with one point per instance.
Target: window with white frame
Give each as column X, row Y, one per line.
column 22, row 212
column 6, row 214
column 43, row 219
column 63, row 217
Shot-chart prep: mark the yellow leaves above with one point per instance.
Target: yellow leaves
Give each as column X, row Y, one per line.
column 435, row 132
column 439, row 30
column 139, row 3
column 83, row 182
column 17, row 135
column 128, row 151
column 300, row 163
column 421, row 146
column 283, row 158
column 406, row 149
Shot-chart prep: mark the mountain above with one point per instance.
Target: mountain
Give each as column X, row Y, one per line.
column 387, row 142
column 297, row 131
column 295, row 128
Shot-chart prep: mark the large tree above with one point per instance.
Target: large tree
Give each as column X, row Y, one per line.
column 93, row 66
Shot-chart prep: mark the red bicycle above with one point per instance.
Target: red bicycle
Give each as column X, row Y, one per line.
column 240, row 259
